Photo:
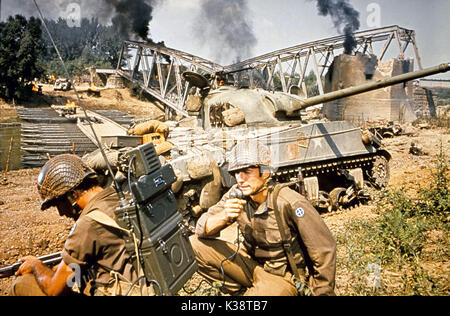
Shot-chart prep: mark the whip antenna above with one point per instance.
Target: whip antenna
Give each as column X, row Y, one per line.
column 99, row 145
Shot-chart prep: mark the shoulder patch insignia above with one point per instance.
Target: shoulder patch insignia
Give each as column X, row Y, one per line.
column 300, row 212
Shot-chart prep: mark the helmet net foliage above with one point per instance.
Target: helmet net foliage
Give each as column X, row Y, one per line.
column 247, row 153
column 60, row 175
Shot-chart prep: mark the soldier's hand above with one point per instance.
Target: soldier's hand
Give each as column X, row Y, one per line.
column 28, row 264
column 233, row 208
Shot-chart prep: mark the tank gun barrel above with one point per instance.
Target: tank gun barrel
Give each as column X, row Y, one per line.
column 347, row 92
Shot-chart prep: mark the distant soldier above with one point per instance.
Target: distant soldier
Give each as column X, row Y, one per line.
column 94, row 249
column 416, row 150
column 287, row 246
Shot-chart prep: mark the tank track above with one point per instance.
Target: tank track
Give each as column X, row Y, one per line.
column 327, row 167
column 333, row 182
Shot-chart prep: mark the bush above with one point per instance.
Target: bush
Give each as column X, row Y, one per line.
column 395, row 248
column 436, row 200
column 403, row 239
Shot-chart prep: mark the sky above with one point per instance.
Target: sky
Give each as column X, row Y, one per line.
column 280, row 24
column 277, row 24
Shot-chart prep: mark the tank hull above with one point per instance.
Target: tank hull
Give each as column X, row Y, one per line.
column 326, row 155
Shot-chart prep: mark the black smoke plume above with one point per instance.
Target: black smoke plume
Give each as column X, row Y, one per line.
column 342, row 14
column 225, row 27
column 132, row 16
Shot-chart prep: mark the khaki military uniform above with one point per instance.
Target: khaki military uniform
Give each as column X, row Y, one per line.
column 261, row 265
column 98, row 250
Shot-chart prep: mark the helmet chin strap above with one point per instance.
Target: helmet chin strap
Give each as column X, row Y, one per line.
column 73, row 201
column 263, row 187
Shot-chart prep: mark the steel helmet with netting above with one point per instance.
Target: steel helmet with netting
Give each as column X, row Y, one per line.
column 248, row 153
column 60, row 175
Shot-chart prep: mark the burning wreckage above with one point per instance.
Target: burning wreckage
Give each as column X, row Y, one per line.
column 334, row 163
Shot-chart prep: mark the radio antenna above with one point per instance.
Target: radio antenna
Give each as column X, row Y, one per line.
column 99, row 145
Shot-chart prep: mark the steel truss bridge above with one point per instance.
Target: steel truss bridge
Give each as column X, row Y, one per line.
column 159, row 70
column 434, row 83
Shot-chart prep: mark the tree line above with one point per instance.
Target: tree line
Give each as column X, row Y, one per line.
column 27, row 53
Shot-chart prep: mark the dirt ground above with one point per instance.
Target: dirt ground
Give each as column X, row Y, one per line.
column 25, row 230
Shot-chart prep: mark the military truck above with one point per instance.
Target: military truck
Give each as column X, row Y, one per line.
column 62, row 84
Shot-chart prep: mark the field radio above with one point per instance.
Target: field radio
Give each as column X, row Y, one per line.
column 165, row 252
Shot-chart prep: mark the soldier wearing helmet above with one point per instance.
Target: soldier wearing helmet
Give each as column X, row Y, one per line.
column 264, row 264
column 95, row 252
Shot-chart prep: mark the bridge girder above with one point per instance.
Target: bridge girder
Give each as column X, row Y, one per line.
column 158, row 69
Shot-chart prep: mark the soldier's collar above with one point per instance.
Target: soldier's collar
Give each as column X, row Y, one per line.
column 265, row 206
column 89, row 207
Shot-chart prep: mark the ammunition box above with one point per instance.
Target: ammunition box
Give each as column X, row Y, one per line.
column 121, row 141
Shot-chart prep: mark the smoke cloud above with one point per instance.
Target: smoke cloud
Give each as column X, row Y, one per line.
column 130, row 17
column 225, row 27
column 343, row 15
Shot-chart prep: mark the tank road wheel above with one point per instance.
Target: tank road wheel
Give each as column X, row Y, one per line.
column 336, row 196
column 380, row 172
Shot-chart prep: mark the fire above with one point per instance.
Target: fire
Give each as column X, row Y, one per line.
column 70, row 104
column 36, row 88
column 70, row 108
column 92, row 87
column 93, row 90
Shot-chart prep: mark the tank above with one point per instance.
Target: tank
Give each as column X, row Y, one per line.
column 333, row 163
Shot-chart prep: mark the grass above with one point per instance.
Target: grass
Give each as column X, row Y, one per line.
column 405, row 250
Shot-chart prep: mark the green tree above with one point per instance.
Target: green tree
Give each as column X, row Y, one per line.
column 20, row 46
column 90, row 44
